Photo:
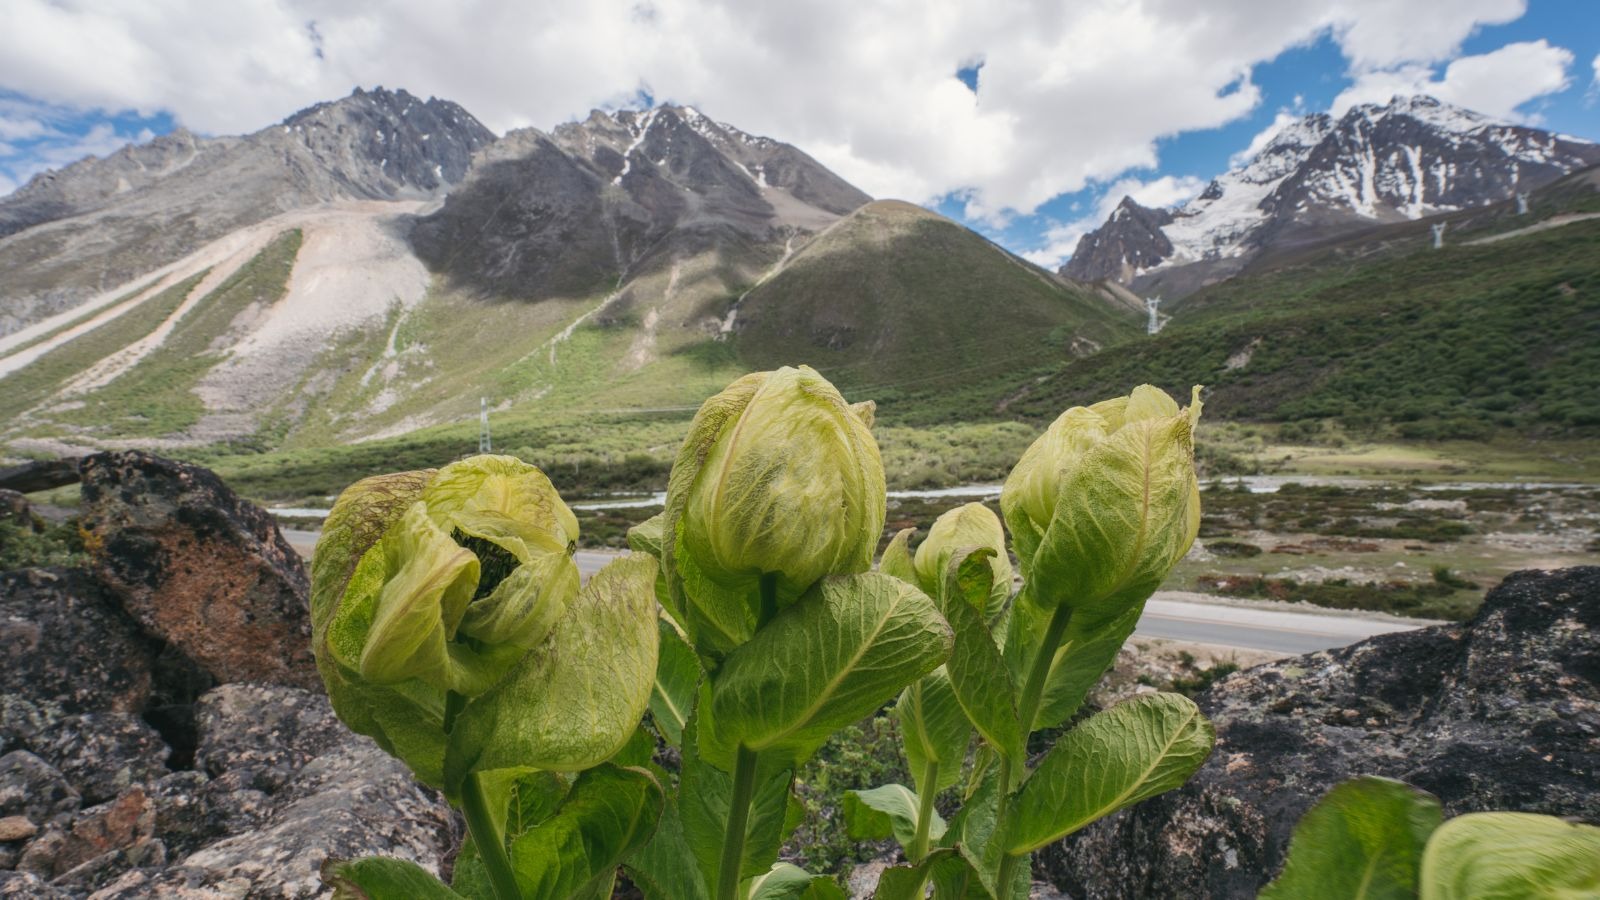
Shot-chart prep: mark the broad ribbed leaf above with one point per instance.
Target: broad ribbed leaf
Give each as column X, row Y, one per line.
column 896, row 559
column 788, row 882
column 884, row 812
column 933, row 729
column 677, row 682
column 950, row 548
column 1511, row 856
column 1087, row 651
column 383, row 878
column 577, row 699
column 979, row 677
column 705, row 793
column 503, row 500
column 1135, row 750
column 828, row 660
column 518, row 801
column 1362, row 841
column 609, row 813
column 665, row 868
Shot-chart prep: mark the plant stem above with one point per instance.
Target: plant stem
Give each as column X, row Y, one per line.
column 490, row 843
column 1027, row 711
column 769, row 598
column 929, row 785
column 744, row 789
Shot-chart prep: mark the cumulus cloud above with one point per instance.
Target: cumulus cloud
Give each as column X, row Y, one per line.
column 35, row 137
column 1060, row 240
column 1070, row 93
column 1496, row 83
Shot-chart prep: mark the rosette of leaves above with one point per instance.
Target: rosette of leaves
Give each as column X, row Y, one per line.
column 776, row 634
column 1101, row 507
column 449, row 625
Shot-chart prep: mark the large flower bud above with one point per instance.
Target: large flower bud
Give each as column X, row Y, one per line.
column 779, row 478
column 961, row 530
column 1105, row 502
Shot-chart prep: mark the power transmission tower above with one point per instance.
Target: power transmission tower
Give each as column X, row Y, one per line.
column 484, row 445
column 1153, row 304
column 1438, row 235
column 1522, row 203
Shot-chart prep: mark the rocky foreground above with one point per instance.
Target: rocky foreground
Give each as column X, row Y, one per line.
column 163, row 734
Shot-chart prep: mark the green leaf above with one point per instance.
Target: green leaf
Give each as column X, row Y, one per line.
column 705, row 793
column 677, row 682
column 646, row 536
column 933, row 728
column 505, row 501
column 609, row 813
column 1087, row 650
column 383, row 878
column 1362, row 841
column 826, row 661
column 960, row 538
column 979, row 677
column 887, row 811
column 1511, row 856
column 896, row 559
column 578, row 698
column 519, row 800
column 788, row 882
column 665, row 868
column 1135, row 750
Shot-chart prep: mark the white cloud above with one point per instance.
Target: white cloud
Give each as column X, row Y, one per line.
column 35, row 137
column 1070, row 93
column 1496, row 83
column 1060, row 240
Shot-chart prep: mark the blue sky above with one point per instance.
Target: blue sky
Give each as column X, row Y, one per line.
column 1026, row 119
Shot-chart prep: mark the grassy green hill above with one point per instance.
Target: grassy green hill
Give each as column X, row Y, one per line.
column 900, row 304
column 1394, row 339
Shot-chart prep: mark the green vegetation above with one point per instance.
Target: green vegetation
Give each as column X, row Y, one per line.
column 57, row 544
column 1433, row 345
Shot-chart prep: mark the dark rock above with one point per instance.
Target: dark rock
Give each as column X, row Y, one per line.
column 17, row 828
column 1500, row 713
column 32, row 887
column 14, row 508
column 92, row 873
column 104, row 829
column 33, row 789
column 207, row 572
column 40, row 855
column 40, row 475
column 103, row 754
column 62, row 639
column 181, row 821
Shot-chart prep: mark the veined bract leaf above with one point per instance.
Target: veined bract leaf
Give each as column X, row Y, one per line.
column 1362, row 841
column 951, row 545
column 577, row 699
column 978, row 675
column 886, row 811
column 826, row 661
column 789, row 882
column 705, row 793
column 677, row 682
column 383, row 878
column 1135, row 750
column 1087, row 650
column 933, row 729
column 1511, row 856
column 609, row 813
column 896, row 559
column 665, row 868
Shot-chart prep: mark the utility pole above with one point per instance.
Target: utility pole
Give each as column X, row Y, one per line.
column 1438, row 235
column 1153, row 305
column 484, row 445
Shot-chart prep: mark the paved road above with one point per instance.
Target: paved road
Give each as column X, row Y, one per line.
column 1242, row 627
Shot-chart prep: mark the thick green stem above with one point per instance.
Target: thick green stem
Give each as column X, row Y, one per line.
column 930, row 787
column 744, row 789
column 769, row 598
column 488, row 839
column 1027, row 711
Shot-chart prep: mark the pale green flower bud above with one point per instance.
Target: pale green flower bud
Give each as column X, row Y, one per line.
column 961, row 530
column 779, row 477
column 1106, row 502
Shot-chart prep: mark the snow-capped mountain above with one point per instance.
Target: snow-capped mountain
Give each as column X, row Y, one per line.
column 1319, row 176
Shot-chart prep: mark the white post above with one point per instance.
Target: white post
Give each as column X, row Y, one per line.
column 1438, row 235
column 484, row 445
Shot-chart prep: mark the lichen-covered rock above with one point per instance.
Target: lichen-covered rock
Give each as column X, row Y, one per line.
column 25, row 885
column 63, row 640
column 264, row 727
column 1500, row 713
column 103, row 754
column 33, row 789
column 204, row 570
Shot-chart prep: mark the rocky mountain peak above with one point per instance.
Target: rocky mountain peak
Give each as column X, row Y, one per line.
column 1319, row 176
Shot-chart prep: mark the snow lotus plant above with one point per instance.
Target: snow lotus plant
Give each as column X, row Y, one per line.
column 448, row 625
column 1384, row 839
column 1100, row 507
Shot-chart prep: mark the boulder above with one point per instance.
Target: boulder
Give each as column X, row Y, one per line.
column 1502, row 712
column 202, row 569
column 63, row 640
column 33, row 789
